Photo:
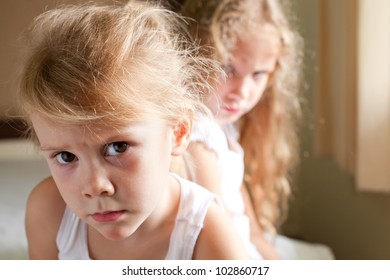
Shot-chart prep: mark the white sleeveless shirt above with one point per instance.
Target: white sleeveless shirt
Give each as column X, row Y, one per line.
column 194, row 203
column 231, row 168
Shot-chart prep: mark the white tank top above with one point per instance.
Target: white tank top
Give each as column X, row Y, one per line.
column 194, row 202
column 231, row 168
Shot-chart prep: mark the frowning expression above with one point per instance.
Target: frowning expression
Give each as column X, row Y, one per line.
column 112, row 178
column 250, row 65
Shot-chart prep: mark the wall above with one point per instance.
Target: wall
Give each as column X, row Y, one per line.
column 15, row 15
column 327, row 207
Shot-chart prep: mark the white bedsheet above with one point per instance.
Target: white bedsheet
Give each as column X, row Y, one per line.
column 293, row 249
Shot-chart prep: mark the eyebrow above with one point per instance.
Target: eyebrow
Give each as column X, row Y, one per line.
column 102, row 142
column 49, row 148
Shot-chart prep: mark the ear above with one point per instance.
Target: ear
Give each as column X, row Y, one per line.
column 181, row 136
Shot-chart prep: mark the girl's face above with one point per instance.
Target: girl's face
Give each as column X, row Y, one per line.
column 112, row 178
column 250, row 65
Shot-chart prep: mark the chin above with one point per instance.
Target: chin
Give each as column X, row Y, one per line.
column 230, row 119
column 117, row 234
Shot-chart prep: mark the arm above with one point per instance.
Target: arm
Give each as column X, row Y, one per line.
column 257, row 236
column 44, row 212
column 219, row 239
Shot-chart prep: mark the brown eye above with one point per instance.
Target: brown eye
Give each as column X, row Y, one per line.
column 65, row 158
column 116, row 148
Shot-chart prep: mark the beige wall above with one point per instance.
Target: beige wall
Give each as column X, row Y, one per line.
column 15, row 15
column 327, row 206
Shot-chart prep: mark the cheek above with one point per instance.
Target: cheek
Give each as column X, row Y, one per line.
column 223, row 89
column 213, row 102
column 258, row 89
column 129, row 163
column 145, row 166
column 67, row 181
column 140, row 185
column 65, row 178
column 68, row 189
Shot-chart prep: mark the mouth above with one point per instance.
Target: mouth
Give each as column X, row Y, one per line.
column 107, row 216
column 231, row 109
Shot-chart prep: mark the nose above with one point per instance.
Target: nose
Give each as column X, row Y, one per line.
column 97, row 183
column 241, row 88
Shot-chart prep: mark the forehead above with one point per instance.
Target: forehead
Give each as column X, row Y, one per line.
column 256, row 47
column 48, row 131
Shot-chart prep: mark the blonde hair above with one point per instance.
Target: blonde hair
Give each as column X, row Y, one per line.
column 268, row 133
column 90, row 64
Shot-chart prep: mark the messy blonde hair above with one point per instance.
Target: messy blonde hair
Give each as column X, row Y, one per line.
column 268, row 133
column 90, row 64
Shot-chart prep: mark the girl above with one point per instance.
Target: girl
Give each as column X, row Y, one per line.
column 255, row 108
column 108, row 92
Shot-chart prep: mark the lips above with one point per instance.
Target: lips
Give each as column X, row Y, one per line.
column 230, row 109
column 107, row 216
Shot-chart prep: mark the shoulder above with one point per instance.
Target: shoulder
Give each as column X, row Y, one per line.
column 44, row 211
column 194, row 198
column 219, row 238
column 205, row 169
column 45, row 196
column 207, row 131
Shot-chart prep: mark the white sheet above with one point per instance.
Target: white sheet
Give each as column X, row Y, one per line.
column 20, row 170
column 293, row 249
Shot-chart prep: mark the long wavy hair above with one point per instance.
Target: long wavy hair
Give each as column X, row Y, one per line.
column 268, row 133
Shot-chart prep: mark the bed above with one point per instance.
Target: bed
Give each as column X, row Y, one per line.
column 21, row 168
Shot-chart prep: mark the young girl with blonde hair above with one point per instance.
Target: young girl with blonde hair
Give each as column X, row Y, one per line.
column 253, row 139
column 109, row 93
